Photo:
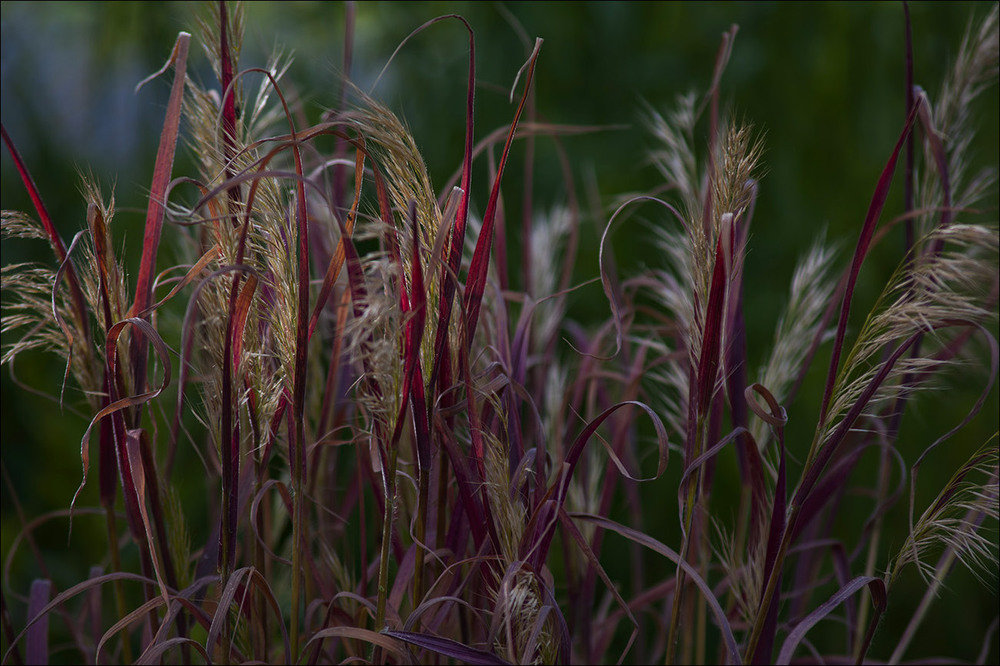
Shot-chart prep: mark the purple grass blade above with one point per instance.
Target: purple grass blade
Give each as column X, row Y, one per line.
column 826, row 490
column 133, row 449
column 911, row 140
column 878, row 592
column 382, row 640
column 36, row 643
column 469, row 502
column 155, row 652
column 107, row 469
column 860, row 252
column 726, row 629
column 595, row 565
column 561, row 485
column 63, row 597
column 777, row 418
column 811, row 475
column 152, row 480
column 708, row 363
column 449, row 648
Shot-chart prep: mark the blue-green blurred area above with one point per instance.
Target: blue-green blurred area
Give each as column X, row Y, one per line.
column 823, row 83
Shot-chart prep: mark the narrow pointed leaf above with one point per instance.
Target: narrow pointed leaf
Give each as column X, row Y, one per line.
column 449, row 648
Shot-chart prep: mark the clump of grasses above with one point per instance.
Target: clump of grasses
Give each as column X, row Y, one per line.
column 400, row 436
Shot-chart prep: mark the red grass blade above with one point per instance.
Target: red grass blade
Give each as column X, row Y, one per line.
column 79, row 303
column 478, row 269
column 414, row 337
column 449, row 270
column 157, row 205
column 118, row 405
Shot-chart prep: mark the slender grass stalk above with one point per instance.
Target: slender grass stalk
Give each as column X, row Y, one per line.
column 119, row 591
column 689, row 510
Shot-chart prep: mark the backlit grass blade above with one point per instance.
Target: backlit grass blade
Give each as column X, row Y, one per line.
column 450, row 269
column 157, row 205
column 476, row 281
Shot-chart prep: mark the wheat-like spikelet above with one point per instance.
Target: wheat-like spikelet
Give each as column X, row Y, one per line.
column 269, row 339
column 809, row 294
column 548, row 236
column 950, row 520
column 396, row 155
column 975, row 69
column 743, row 566
column 29, row 305
column 117, row 290
column 675, row 158
column 526, row 636
column 943, row 279
column 373, row 342
column 682, row 288
column 945, row 288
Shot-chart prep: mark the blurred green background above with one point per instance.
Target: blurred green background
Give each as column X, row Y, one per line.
column 823, row 82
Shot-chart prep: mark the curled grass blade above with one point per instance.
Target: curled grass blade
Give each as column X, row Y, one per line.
column 154, row 653
column 876, row 588
column 732, row 650
column 617, row 310
column 111, row 348
column 77, row 589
